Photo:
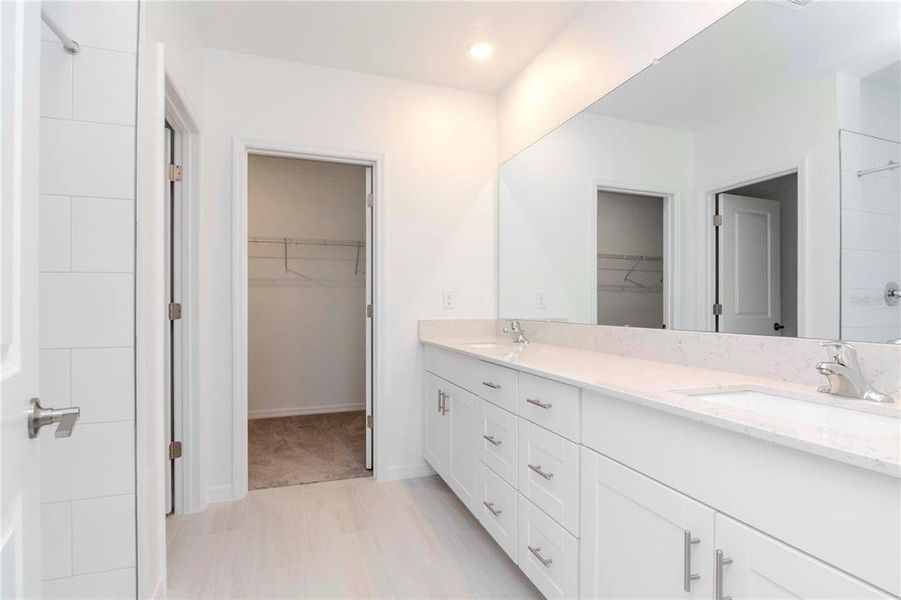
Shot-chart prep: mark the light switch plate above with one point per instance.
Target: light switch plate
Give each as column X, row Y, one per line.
column 449, row 299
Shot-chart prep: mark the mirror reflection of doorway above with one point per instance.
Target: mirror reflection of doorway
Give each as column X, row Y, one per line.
column 757, row 258
column 630, row 259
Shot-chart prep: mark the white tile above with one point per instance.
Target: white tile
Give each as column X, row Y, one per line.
column 878, row 335
column 103, row 235
column 852, row 151
column 56, row 81
column 103, row 534
column 118, row 584
column 867, row 308
column 865, row 269
column 869, row 231
column 109, row 25
column 87, row 159
column 97, row 460
column 104, row 89
column 103, row 384
column 53, row 233
column 56, row 540
column 873, row 194
column 86, row 310
column 54, row 378
column 880, row 152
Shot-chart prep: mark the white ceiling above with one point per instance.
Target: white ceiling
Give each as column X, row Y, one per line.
column 420, row 41
column 758, row 51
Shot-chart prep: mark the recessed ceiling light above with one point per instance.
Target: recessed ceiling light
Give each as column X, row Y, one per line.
column 481, row 51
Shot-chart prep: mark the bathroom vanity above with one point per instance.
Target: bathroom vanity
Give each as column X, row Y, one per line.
column 613, row 477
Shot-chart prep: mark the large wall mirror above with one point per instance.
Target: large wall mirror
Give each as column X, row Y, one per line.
column 747, row 183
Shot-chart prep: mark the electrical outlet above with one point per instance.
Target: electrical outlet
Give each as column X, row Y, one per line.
column 449, row 299
column 541, row 299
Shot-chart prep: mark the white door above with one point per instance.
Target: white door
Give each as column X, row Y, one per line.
column 463, row 408
column 20, row 557
column 437, row 424
column 749, row 265
column 370, row 321
column 639, row 538
column 754, row 565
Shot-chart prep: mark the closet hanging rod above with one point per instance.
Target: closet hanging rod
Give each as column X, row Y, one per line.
column 306, row 242
column 71, row 46
column 887, row 167
column 629, row 256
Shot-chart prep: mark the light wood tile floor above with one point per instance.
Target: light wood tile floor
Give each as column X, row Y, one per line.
column 357, row 538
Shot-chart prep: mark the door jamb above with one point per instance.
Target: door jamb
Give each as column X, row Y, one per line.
column 241, row 149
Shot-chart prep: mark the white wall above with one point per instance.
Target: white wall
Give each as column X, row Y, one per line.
column 437, row 209
column 87, row 216
column 548, row 197
column 306, row 339
column 606, row 44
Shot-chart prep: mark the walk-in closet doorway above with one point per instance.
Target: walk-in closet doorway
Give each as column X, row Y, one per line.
column 309, row 327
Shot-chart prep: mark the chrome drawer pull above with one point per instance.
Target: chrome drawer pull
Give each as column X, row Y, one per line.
column 718, row 582
column 492, row 385
column 538, row 403
column 688, row 576
column 537, row 469
column 490, row 507
column 491, row 439
column 547, row 562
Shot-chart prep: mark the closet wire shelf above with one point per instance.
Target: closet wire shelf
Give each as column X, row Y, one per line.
column 277, row 248
column 631, row 264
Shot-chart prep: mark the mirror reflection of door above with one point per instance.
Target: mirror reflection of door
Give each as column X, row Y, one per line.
column 630, row 243
column 757, row 258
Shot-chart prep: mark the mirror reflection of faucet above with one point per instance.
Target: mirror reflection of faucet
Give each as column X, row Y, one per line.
column 844, row 374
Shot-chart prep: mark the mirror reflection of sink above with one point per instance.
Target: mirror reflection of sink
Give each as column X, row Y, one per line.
column 804, row 412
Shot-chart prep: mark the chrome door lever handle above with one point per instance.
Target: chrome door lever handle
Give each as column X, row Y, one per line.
column 38, row 416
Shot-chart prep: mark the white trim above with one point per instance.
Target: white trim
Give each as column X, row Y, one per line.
column 672, row 207
column 241, row 148
column 408, row 471
column 218, row 493
column 187, row 470
column 708, row 200
column 324, row 409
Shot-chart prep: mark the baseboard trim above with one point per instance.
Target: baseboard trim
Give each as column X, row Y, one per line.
column 268, row 413
column 395, row 472
column 219, row 493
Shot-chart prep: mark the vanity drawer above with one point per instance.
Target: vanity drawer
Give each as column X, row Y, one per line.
column 494, row 383
column 497, row 441
column 549, row 473
column 448, row 365
column 548, row 554
column 550, row 404
column 498, row 505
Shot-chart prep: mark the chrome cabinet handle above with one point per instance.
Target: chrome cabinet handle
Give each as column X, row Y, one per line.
column 688, row 576
column 444, row 408
column 440, row 400
column 491, row 439
column 491, row 509
column 492, row 385
column 38, row 416
column 721, row 560
column 537, row 469
column 536, row 550
column 538, row 403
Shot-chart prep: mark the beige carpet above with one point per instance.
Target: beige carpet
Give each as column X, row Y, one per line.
column 306, row 449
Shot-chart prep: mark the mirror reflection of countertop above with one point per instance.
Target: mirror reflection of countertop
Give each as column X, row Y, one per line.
column 873, row 442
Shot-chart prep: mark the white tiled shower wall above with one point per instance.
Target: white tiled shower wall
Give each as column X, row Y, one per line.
column 87, row 185
column 871, row 230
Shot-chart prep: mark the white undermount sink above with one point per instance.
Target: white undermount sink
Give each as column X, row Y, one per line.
column 803, row 412
column 483, row 345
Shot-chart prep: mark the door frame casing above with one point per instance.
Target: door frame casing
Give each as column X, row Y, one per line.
column 188, row 494
column 242, row 148
column 710, row 193
column 671, row 242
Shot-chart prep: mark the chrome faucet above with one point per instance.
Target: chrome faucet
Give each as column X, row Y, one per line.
column 515, row 330
column 844, row 374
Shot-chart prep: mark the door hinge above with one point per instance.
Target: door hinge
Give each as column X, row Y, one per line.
column 717, row 309
column 369, row 199
column 369, row 421
column 369, row 310
column 175, row 172
column 174, row 450
column 717, row 220
column 174, row 311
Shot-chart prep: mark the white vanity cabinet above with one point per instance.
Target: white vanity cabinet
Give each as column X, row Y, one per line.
column 436, row 438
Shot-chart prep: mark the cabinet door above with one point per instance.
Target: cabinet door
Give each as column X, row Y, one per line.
column 463, row 410
column 436, row 444
column 639, row 538
column 754, row 565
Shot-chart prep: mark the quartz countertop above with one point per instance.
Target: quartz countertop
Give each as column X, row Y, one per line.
column 658, row 385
